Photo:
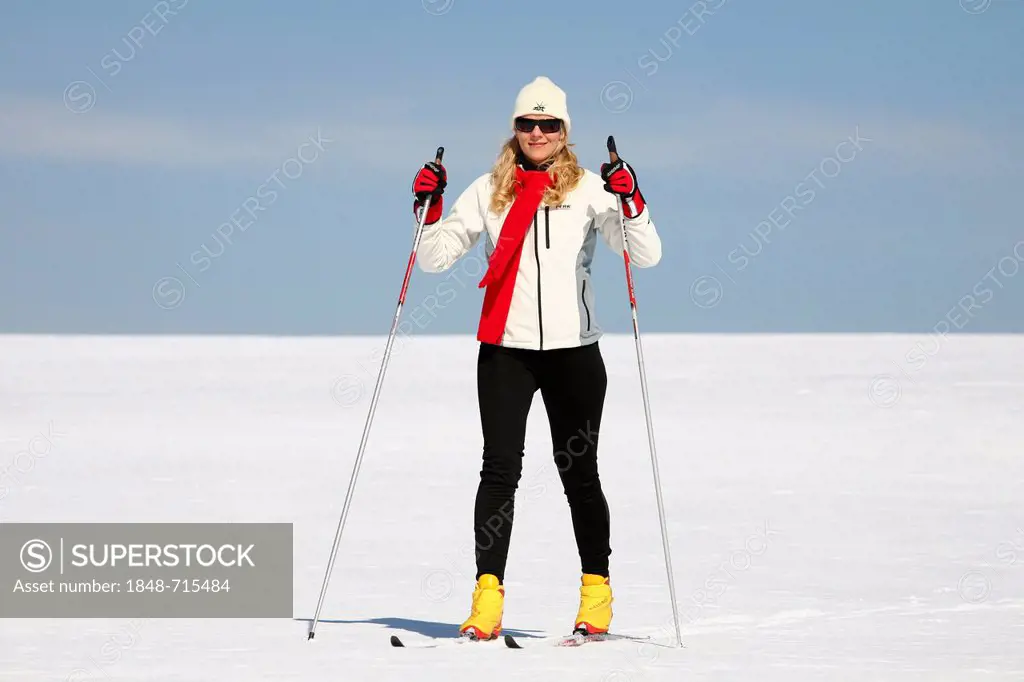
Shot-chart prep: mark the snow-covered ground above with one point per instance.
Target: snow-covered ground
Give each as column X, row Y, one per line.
column 839, row 507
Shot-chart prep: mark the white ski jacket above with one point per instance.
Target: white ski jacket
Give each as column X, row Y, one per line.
column 553, row 300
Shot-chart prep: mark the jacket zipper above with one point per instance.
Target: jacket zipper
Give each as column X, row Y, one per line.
column 547, row 229
column 584, row 297
column 536, row 253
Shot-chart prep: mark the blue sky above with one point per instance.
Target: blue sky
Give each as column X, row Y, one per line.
column 811, row 166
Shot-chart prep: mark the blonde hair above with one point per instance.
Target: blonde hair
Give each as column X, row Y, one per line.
column 564, row 166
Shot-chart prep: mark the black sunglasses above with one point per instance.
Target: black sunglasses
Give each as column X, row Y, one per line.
column 546, row 125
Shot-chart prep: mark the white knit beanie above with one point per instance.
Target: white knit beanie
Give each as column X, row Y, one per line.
column 541, row 96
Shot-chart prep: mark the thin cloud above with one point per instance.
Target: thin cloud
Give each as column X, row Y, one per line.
column 724, row 137
column 738, row 136
column 38, row 129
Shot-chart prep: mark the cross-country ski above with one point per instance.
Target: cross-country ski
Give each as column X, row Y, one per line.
column 573, row 640
column 436, row 642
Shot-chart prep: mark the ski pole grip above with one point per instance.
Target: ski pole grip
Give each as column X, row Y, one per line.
column 612, row 154
column 437, row 157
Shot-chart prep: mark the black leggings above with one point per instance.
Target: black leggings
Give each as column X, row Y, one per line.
column 572, row 382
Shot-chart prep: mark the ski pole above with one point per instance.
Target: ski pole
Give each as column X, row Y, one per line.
column 613, row 156
column 373, row 404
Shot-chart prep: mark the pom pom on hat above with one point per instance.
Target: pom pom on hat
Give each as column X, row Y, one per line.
column 541, row 96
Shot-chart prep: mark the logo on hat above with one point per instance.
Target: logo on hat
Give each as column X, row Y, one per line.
column 539, row 106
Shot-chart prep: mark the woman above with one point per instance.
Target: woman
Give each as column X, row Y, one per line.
column 541, row 215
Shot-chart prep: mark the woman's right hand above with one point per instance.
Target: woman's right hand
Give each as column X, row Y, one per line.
column 430, row 181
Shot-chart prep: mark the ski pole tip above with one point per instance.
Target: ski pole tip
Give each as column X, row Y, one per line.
column 439, row 155
column 612, row 153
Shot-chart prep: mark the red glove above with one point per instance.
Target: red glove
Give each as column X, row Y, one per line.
column 430, row 181
column 619, row 178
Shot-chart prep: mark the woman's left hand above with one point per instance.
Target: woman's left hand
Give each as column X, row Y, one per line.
column 620, row 178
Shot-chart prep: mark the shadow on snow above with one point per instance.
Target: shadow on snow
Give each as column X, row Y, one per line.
column 427, row 628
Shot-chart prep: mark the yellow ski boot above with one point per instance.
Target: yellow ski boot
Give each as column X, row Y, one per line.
column 488, row 605
column 595, row 614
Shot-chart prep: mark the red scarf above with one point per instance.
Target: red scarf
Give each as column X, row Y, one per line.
column 500, row 278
